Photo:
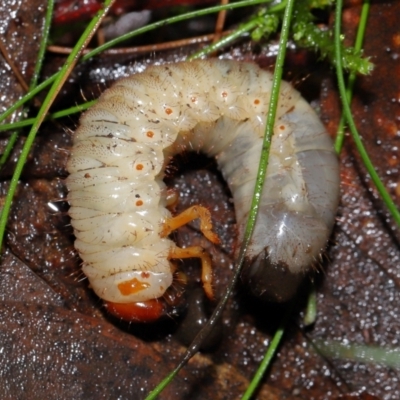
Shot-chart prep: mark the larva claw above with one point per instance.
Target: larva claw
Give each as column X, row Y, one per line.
column 206, row 266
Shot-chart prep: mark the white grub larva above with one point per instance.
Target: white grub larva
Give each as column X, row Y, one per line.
column 118, row 198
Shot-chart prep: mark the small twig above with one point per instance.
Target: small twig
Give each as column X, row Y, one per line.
column 219, row 25
column 147, row 48
column 14, row 68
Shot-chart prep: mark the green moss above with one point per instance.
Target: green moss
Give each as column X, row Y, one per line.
column 307, row 34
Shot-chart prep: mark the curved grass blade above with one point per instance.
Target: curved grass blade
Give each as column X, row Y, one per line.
column 311, row 309
column 262, row 169
column 350, row 121
column 280, row 60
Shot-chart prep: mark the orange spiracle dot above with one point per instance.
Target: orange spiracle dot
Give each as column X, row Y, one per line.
column 139, row 167
column 168, row 111
column 257, row 102
column 224, row 94
column 139, row 203
column 149, row 134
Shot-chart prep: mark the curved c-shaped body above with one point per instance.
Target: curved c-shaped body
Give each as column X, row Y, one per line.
column 120, row 150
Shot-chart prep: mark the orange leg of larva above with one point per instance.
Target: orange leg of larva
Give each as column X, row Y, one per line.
column 206, row 269
column 194, row 212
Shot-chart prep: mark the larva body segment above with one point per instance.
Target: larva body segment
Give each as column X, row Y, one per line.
column 118, row 198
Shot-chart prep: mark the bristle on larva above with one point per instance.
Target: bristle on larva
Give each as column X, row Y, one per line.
column 118, row 198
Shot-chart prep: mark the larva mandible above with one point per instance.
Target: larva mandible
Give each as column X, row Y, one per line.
column 118, row 198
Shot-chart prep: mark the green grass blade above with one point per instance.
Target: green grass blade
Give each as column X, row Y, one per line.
column 356, row 137
column 254, row 22
column 310, row 314
column 266, row 362
column 244, row 28
column 58, row 114
column 269, row 131
column 361, row 353
column 43, row 43
column 311, row 309
column 193, row 348
column 173, row 20
column 352, row 76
